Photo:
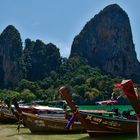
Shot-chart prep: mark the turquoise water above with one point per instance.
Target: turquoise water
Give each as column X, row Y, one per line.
column 105, row 107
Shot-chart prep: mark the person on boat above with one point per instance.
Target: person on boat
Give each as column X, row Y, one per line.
column 65, row 107
column 116, row 111
column 127, row 114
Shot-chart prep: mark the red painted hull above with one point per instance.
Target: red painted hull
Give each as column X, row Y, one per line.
column 103, row 125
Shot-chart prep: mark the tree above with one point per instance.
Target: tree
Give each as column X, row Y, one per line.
column 9, row 94
column 92, row 95
column 27, row 96
column 81, row 89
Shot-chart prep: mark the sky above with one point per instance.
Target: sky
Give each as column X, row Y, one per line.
column 59, row 21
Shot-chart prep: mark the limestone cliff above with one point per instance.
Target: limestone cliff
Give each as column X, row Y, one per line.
column 10, row 54
column 106, row 42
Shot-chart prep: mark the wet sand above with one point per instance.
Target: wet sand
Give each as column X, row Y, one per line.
column 9, row 132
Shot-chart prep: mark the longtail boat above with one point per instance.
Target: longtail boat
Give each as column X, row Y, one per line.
column 6, row 114
column 36, row 109
column 45, row 123
column 7, row 111
column 100, row 124
column 7, row 117
column 42, row 124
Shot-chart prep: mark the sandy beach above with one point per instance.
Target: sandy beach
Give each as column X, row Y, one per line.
column 9, row 132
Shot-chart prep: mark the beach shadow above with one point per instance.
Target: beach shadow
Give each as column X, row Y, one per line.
column 86, row 138
column 44, row 133
column 111, row 137
column 53, row 133
column 17, row 134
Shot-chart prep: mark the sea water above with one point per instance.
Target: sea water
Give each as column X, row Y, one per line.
column 105, row 107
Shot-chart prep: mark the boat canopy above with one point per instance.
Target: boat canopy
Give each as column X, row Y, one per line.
column 106, row 102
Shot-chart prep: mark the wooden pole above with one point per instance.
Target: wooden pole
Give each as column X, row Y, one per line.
column 138, row 127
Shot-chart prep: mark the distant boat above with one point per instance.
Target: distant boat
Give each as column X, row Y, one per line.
column 8, row 112
column 106, row 102
column 6, row 116
column 107, row 124
column 38, row 109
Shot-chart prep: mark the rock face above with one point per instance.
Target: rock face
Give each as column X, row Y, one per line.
column 10, row 54
column 40, row 59
column 106, row 42
column 35, row 62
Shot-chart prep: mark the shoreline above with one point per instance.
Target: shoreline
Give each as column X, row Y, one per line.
column 9, row 132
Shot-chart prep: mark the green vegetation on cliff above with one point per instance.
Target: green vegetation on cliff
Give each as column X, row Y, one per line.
column 87, row 84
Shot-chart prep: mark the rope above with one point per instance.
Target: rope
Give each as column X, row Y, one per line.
column 20, row 121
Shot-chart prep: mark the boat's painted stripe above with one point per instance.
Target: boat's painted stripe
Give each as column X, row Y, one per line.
column 111, row 118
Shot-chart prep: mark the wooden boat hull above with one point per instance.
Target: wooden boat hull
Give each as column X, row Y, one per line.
column 7, row 118
column 40, row 124
column 101, row 125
